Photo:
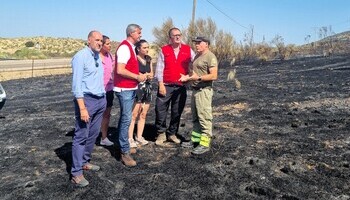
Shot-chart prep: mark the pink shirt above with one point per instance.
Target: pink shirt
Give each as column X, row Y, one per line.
column 108, row 66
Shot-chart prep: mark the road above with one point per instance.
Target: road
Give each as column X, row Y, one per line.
column 19, row 65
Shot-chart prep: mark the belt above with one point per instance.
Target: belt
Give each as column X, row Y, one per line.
column 173, row 85
column 94, row 96
column 200, row 88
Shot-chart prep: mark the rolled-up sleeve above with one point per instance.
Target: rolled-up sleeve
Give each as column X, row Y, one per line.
column 193, row 54
column 160, row 67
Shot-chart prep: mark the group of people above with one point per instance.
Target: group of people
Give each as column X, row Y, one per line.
column 97, row 77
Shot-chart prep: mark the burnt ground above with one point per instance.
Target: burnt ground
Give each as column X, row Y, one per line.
column 285, row 135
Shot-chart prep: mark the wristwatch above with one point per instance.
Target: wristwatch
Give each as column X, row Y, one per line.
column 200, row 78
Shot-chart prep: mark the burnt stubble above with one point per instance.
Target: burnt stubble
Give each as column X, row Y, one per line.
column 284, row 135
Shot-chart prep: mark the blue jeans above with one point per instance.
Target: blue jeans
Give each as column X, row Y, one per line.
column 126, row 102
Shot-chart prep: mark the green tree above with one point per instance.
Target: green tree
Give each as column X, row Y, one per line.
column 29, row 44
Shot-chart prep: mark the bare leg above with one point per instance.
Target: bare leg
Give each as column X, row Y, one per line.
column 142, row 119
column 105, row 122
column 135, row 114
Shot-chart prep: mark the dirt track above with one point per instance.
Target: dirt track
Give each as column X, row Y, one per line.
column 285, row 135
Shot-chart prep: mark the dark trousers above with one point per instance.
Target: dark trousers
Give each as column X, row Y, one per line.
column 176, row 97
column 86, row 133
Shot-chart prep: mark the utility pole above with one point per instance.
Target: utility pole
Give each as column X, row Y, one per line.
column 194, row 11
column 193, row 27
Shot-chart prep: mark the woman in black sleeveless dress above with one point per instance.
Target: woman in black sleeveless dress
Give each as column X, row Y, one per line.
column 143, row 95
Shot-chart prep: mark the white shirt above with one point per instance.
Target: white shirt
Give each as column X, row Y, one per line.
column 123, row 56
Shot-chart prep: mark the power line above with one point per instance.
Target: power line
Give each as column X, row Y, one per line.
column 235, row 21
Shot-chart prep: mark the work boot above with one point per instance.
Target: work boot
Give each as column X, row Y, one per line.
column 200, row 150
column 133, row 150
column 127, row 160
column 161, row 139
column 174, row 139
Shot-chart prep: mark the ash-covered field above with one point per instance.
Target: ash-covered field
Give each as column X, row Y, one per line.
column 284, row 135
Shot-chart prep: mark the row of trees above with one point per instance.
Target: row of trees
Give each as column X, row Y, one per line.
column 225, row 46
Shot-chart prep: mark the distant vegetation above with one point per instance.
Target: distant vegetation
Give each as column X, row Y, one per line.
column 40, row 47
column 223, row 44
column 230, row 51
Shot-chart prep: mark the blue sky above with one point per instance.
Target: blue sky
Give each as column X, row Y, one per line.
column 291, row 19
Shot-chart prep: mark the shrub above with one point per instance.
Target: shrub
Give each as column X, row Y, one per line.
column 26, row 53
column 29, row 44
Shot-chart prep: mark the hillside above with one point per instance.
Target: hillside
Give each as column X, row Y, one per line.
column 337, row 44
column 44, row 47
column 344, row 36
column 47, row 47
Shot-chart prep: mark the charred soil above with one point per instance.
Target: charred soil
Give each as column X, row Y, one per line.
column 284, row 135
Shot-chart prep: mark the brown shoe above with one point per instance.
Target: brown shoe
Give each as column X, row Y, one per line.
column 173, row 138
column 127, row 160
column 161, row 139
column 133, row 150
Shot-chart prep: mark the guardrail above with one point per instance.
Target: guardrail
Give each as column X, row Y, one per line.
column 30, row 68
column 15, row 65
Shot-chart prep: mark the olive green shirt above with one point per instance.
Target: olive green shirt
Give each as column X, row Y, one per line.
column 201, row 65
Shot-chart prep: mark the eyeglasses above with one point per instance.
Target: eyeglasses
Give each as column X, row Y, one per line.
column 177, row 35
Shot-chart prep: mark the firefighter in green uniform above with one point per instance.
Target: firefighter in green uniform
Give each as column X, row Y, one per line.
column 204, row 70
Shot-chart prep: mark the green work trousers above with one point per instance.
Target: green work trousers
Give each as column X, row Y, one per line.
column 201, row 107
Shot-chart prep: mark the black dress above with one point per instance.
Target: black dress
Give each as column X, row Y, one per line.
column 144, row 89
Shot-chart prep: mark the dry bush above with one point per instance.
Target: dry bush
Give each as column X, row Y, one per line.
column 244, row 52
column 161, row 33
column 205, row 28
column 284, row 52
column 263, row 52
column 231, row 77
column 221, row 43
column 223, row 47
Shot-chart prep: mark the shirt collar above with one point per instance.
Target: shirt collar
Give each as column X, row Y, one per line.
column 93, row 53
